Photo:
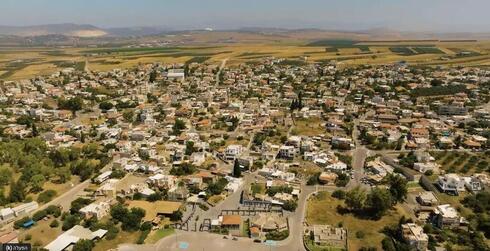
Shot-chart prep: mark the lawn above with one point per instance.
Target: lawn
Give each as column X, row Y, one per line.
column 159, row 234
column 152, row 209
column 322, row 209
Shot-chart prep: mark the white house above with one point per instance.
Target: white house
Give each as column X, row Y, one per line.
column 97, row 209
column 337, row 166
column 163, row 181
column 25, row 209
column 287, row 152
column 425, row 166
column 446, row 216
column 103, row 176
column 72, row 236
column 7, row 214
column 472, row 183
column 451, row 183
column 232, row 151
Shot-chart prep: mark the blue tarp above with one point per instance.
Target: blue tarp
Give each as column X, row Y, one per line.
column 28, row 224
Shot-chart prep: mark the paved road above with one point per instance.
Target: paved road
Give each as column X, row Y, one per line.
column 358, row 157
column 199, row 241
column 223, row 63
column 75, row 192
column 65, row 199
column 205, row 241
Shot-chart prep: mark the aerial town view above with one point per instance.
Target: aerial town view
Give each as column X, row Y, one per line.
column 245, row 125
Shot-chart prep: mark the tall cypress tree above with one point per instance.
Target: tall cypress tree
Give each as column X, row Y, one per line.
column 237, row 171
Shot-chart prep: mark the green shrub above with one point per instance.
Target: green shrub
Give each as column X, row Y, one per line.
column 339, row 194
column 39, row 215
column 54, row 223
column 18, row 224
column 360, row 234
column 46, row 196
column 142, row 237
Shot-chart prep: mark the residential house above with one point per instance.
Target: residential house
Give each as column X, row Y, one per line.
column 72, row 236
column 232, row 223
column 473, row 184
column 446, row 216
column 327, row 235
column 287, row 152
column 414, row 236
column 427, row 198
column 267, row 222
column 451, row 183
column 233, row 151
column 96, row 209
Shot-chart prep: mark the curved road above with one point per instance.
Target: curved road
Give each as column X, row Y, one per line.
column 203, row 241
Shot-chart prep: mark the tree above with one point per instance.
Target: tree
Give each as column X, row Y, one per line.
column 70, row 221
column 217, row 187
column 398, row 188
column 73, row 104
column 153, row 76
column 178, row 127
column 290, row 205
column 37, row 182
column 77, row 204
column 83, row 245
column 176, row 216
column 189, row 148
column 342, row 180
column 106, row 105
column 339, row 194
column 17, row 192
column 387, row 244
column 355, row 198
column 5, row 175
column 237, row 170
column 300, row 100
column 119, row 212
column 128, row 116
column 379, row 201
column 63, row 173
column 46, row 196
column 54, row 224
column 132, row 221
column 183, row 169
column 35, row 132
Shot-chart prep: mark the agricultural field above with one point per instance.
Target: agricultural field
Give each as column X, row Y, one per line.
column 21, row 63
column 463, row 162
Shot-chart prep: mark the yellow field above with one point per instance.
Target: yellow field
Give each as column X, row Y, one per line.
column 20, row 63
column 153, row 208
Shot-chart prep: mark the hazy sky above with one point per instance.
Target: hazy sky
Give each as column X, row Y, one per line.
column 407, row 15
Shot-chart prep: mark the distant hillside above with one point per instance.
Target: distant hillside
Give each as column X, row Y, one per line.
column 89, row 35
column 74, row 30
